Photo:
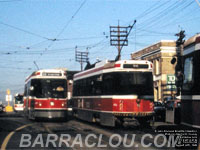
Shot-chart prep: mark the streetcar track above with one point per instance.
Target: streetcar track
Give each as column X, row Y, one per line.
column 84, row 132
column 51, row 132
column 74, row 127
column 104, row 131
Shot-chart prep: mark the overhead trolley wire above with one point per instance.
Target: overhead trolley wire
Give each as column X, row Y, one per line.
column 159, row 15
column 174, row 20
column 156, row 32
column 151, row 9
column 67, row 24
column 2, row 1
column 58, row 50
column 25, row 31
column 155, row 20
column 81, row 38
column 64, row 28
column 18, row 68
column 71, row 18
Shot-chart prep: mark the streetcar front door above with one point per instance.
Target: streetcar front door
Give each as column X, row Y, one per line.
column 32, row 109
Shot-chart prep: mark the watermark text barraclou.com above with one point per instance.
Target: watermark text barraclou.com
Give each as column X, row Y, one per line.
column 92, row 140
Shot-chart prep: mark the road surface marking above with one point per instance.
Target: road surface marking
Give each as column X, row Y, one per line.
column 5, row 142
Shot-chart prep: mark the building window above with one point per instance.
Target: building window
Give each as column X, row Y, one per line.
column 157, row 67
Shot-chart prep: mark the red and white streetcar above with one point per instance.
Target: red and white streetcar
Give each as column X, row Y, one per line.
column 18, row 102
column 45, row 94
column 114, row 91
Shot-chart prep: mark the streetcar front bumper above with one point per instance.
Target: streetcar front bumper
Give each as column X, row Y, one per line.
column 133, row 114
column 50, row 114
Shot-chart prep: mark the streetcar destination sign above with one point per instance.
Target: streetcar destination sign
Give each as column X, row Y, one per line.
column 139, row 66
column 52, row 74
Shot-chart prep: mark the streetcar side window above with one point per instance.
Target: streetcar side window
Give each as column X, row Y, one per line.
column 88, row 86
column 115, row 83
column 109, row 84
column 188, row 73
column 123, row 83
column 28, row 88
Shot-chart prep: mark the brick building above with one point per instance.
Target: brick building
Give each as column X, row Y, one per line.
column 160, row 54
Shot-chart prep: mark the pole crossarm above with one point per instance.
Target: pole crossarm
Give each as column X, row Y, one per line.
column 119, row 37
column 81, row 57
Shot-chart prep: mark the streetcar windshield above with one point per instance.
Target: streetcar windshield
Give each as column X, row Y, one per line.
column 49, row 88
column 126, row 83
column 19, row 99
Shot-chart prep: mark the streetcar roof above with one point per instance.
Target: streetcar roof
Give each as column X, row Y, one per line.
column 192, row 40
column 47, row 73
column 192, row 44
column 113, row 66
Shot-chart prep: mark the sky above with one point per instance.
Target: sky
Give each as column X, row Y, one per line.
column 47, row 32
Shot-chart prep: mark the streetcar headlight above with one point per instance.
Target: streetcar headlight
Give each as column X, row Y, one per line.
column 52, row 103
column 63, row 104
column 40, row 104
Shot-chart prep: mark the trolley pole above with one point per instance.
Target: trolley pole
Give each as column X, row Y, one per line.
column 81, row 57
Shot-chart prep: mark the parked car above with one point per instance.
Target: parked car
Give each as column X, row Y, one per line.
column 159, row 109
column 168, row 98
column 171, row 104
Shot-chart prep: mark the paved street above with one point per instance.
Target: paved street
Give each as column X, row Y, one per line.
column 75, row 134
column 13, row 126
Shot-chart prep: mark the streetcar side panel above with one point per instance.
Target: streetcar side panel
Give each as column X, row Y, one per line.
column 113, row 92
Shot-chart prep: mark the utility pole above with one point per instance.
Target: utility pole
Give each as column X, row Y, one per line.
column 179, row 50
column 119, row 37
column 179, row 65
column 81, row 57
column 180, row 42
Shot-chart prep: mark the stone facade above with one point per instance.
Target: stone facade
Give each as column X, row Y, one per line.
column 160, row 54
